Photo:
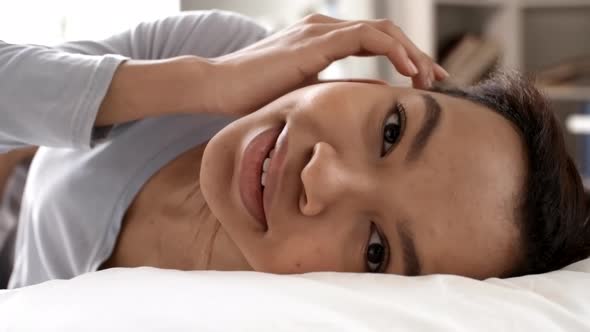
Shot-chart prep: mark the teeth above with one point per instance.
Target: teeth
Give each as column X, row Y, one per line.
column 266, row 164
column 263, row 179
column 265, row 167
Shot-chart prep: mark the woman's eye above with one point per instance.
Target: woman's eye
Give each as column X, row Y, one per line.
column 392, row 129
column 376, row 251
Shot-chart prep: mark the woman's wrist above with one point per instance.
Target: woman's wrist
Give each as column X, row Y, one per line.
column 146, row 88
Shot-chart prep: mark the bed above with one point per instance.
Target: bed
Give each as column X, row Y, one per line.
column 148, row 299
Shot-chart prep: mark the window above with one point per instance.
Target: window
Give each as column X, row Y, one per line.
column 51, row 22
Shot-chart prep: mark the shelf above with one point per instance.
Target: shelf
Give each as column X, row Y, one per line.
column 534, row 4
column 567, row 93
column 534, row 35
column 523, row 4
column 471, row 3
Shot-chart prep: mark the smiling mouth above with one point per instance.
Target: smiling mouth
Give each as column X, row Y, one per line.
column 254, row 172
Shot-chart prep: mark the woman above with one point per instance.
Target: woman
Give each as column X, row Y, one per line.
column 341, row 176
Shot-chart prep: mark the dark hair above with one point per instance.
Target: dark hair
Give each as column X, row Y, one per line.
column 553, row 209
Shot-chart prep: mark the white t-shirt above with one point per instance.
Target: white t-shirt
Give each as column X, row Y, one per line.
column 78, row 190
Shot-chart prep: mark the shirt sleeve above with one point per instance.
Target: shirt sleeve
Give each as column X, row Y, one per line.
column 50, row 96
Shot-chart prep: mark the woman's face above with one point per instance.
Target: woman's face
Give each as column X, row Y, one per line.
column 368, row 177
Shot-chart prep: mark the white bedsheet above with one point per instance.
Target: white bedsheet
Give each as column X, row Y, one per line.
column 147, row 299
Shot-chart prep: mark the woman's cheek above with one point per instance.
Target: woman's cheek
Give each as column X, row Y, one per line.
column 301, row 257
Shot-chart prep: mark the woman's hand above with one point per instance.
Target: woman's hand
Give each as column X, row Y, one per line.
column 241, row 82
column 292, row 58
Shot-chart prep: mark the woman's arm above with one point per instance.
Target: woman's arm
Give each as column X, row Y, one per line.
column 236, row 80
column 48, row 97
column 168, row 72
column 55, row 96
column 145, row 88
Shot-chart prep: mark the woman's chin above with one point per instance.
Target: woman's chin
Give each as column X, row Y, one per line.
column 215, row 186
column 217, row 182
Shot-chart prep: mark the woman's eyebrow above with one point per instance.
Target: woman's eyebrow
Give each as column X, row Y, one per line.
column 412, row 265
column 429, row 123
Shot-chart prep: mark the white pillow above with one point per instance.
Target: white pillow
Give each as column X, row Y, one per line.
column 148, row 299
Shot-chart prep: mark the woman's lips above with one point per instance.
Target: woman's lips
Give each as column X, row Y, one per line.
column 251, row 170
column 276, row 170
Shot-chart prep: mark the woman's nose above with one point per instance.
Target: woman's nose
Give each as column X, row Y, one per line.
column 326, row 179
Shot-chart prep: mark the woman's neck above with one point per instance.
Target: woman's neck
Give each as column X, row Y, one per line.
column 169, row 224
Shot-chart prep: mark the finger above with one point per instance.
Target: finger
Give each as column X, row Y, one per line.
column 427, row 68
column 418, row 83
column 355, row 80
column 388, row 27
column 319, row 18
column 360, row 39
column 440, row 73
column 311, row 80
column 418, row 59
column 419, row 63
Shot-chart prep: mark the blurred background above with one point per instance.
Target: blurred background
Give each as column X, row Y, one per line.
column 547, row 38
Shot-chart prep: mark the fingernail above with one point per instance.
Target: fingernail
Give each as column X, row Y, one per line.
column 442, row 70
column 412, row 67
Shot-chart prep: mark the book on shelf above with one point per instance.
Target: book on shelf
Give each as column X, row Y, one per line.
column 572, row 71
column 568, row 79
column 470, row 59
